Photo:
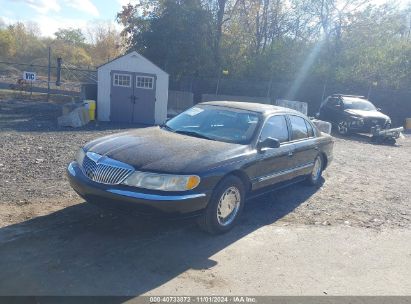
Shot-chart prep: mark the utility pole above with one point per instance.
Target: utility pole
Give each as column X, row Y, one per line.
column 48, row 75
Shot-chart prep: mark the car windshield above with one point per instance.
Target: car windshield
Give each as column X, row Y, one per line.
column 216, row 123
column 358, row 104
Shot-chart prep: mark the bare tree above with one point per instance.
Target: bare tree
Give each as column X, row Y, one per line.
column 105, row 40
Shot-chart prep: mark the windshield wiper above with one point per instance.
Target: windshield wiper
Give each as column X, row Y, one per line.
column 192, row 133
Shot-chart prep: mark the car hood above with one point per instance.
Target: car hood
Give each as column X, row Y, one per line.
column 157, row 150
column 366, row 114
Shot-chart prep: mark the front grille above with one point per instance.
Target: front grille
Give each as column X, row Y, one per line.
column 371, row 122
column 102, row 169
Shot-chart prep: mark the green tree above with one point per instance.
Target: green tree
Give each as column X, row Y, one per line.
column 7, row 44
column 70, row 35
column 174, row 34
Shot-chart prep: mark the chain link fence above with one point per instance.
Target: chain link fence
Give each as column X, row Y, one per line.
column 396, row 103
column 73, row 78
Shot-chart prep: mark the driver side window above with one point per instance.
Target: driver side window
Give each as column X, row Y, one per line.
column 332, row 102
column 275, row 127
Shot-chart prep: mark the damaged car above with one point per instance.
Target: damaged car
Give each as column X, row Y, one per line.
column 353, row 114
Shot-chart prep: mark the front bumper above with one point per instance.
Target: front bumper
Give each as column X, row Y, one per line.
column 366, row 125
column 124, row 197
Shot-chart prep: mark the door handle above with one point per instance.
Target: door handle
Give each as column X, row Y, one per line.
column 316, row 148
column 290, row 154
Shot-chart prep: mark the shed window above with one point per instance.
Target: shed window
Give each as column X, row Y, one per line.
column 122, row 80
column 144, row 82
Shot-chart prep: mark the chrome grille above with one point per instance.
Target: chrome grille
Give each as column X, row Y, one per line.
column 105, row 170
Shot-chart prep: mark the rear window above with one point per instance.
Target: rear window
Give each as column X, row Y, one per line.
column 309, row 129
column 298, row 128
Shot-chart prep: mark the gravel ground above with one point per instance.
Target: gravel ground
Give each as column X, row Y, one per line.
column 367, row 185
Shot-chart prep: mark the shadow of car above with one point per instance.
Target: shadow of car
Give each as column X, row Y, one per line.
column 82, row 250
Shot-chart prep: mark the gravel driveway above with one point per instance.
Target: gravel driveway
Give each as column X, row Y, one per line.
column 367, row 185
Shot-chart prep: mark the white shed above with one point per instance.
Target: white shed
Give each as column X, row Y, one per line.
column 132, row 89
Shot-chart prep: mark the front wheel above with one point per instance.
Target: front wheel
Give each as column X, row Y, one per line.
column 342, row 128
column 225, row 206
column 314, row 178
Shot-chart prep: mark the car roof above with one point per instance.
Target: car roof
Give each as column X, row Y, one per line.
column 252, row 106
column 343, row 96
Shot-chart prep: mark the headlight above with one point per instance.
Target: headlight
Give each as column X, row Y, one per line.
column 164, row 182
column 80, row 156
column 355, row 120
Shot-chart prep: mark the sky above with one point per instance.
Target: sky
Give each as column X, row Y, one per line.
column 51, row 15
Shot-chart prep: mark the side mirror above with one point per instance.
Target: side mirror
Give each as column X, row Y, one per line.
column 269, row 142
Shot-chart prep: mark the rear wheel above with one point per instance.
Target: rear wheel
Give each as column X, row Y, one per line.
column 314, row 178
column 225, row 206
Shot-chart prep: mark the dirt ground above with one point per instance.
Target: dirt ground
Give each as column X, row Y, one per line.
column 367, row 185
column 351, row 236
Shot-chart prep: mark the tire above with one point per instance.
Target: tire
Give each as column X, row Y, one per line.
column 342, row 128
column 221, row 213
column 390, row 141
column 315, row 176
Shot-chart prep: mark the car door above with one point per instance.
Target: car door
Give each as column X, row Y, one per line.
column 305, row 145
column 271, row 165
column 331, row 110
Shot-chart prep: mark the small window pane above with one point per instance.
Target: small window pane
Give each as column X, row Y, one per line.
column 144, row 82
column 275, row 127
column 299, row 129
column 122, row 80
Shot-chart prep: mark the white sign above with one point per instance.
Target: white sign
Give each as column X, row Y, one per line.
column 30, row 76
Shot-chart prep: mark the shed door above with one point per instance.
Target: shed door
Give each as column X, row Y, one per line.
column 133, row 97
column 145, row 98
column 121, row 97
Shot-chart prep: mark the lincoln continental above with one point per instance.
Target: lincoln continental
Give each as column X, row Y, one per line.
column 205, row 162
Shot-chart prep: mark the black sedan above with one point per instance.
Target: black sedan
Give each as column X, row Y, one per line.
column 350, row 113
column 203, row 162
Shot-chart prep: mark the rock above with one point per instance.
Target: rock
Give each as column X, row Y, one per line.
column 76, row 118
column 323, row 126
